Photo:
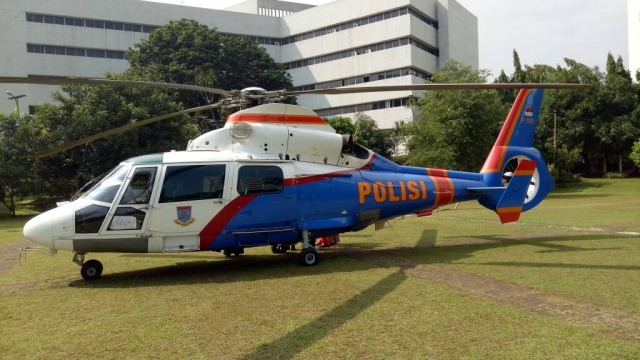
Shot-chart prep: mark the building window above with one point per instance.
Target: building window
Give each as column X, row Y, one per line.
column 364, row 50
column 90, row 23
column 362, row 22
column 378, row 105
column 74, row 51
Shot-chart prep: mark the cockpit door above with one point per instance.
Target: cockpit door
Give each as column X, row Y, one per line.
column 129, row 214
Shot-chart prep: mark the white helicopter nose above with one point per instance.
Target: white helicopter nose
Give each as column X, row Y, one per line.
column 39, row 229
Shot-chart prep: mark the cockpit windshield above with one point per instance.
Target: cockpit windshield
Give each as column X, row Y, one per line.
column 107, row 189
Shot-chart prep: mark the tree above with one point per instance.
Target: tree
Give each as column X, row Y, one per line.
column 181, row 52
column 572, row 112
column 342, row 125
column 365, row 132
column 456, row 129
column 15, row 180
column 508, row 96
column 618, row 127
column 87, row 110
column 635, row 153
column 188, row 52
column 601, row 123
column 519, row 75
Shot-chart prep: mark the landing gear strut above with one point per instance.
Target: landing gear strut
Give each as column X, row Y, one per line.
column 89, row 270
column 308, row 255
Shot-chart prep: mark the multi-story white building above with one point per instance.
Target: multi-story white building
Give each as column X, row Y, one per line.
column 633, row 14
column 342, row 43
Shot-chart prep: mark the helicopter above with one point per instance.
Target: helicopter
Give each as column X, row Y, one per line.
column 277, row 175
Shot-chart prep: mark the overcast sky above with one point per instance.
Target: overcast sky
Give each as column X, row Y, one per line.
column 542, row 31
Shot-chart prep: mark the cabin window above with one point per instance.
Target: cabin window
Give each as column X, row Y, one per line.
column 192, row 182
column 255, row 180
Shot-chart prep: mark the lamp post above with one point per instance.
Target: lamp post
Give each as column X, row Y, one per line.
column 17, row 99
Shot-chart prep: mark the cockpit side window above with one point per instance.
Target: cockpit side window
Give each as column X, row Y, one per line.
column 140, row 187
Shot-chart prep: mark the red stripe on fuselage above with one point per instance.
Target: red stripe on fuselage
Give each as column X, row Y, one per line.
column 437, row 172
column 499, row 150
column 218, row 223
column 213, row 229
column 277, row 119
column 445, row 191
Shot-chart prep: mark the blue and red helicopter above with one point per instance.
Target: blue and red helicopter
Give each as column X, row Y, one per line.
column 277, row 175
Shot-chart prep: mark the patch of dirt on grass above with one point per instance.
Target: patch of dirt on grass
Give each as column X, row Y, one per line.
column 10, row 254
column 621, row 324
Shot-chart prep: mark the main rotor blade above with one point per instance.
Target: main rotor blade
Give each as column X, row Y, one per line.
column 62, row 80
column 120, row 130
column 451, row 86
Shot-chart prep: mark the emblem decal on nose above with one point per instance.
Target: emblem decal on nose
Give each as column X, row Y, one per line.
column 184, row 216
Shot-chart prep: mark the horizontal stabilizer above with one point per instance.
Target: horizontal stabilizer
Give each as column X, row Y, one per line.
column 511, row 203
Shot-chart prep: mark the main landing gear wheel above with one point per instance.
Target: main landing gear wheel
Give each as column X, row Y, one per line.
column 91, row 270
column 309, row 257
column 235, row 251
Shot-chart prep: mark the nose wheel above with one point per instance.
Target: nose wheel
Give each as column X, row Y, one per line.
column 90, row 270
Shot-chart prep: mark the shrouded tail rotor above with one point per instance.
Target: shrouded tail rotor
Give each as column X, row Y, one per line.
column 508, row 171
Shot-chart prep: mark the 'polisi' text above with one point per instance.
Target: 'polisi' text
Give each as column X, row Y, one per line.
column 392, row 191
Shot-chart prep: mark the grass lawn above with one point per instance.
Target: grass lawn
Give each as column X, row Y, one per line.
column 11, row 229
column 563, row 283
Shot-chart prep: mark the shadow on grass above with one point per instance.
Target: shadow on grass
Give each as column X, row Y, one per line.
column 564, row 266
column 293, row 343
column 548, row 242
column 216, row 270
column 243, row 268
column 290, row 345
column 259, row 267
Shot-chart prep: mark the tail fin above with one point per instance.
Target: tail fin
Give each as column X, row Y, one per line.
column 515, row 144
